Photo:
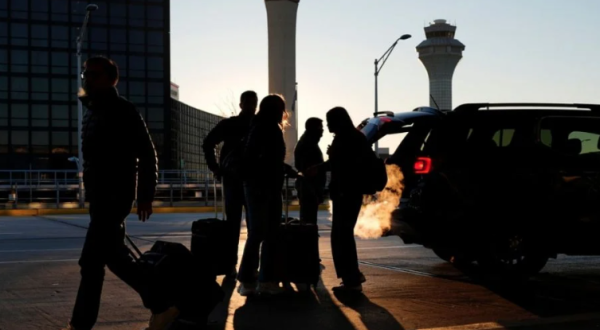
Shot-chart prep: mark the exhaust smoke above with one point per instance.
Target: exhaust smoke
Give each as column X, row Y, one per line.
column 375, row 216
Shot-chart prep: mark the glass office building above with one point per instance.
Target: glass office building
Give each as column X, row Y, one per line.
column 38, row 74
column 189, row 127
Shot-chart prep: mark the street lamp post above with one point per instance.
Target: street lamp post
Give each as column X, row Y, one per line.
column 88, row 10
column 383, row 57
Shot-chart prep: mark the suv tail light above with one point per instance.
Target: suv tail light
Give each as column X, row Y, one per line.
column 422, row 165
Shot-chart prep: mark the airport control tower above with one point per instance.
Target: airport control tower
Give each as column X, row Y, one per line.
column 281, row 17
column 440, row 53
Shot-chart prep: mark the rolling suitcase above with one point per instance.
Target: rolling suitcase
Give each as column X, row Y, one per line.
column 173, row 275
column 297, row 250
column 210, row 245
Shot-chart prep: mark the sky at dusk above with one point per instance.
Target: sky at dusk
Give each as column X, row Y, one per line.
column 534, row 50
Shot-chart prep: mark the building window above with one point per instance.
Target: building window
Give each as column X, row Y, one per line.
column 136, row 40
column 136, row 15
column 19, row 34
column 39, row 115
column 19, row 115
column 18, row 8
column 60, row 139
column 60, row 116
column 39, row 10
column 155, row 16
column 155, row 42
column 98, row 38
column 118, row 39
column 118, row 14
column 3, row 32
column 39, row 62
column 60, row 36
column 60, row 62
column 60, row 10
column 155, row 67
column 137, row 66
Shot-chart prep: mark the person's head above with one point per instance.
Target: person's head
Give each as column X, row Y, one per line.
column 314, row 128
column 338, row 120
column 248, row 102
column 99, row 73
column 272, row 110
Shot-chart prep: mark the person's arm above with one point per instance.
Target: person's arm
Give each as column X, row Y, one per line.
column 147, row 167
column 299, row 157
column 214, row 137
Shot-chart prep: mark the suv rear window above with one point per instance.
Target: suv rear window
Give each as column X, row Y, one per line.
column 571, row 135
column 478, row 134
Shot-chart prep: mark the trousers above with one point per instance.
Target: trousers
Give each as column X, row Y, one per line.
column 345, row 209
column 234, row 202
column 105, row 246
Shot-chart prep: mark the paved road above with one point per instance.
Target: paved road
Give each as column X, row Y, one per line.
column 407, row 287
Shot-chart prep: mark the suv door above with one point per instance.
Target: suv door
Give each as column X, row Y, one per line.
column 377, row 127
column 573, row 148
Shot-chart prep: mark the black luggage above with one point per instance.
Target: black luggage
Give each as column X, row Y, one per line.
column 297, row 250
column 210, row 244
column 174, row 275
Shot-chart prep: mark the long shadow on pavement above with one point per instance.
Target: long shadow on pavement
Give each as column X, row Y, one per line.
column 373, row 316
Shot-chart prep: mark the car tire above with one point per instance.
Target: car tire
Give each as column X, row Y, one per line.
column 510, row 256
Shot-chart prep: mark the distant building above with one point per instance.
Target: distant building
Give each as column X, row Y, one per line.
column 38, row 73
column 189, row 127
column 174, row 91
column 440, row 54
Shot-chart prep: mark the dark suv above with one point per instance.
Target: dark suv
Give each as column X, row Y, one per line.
column 505, row 185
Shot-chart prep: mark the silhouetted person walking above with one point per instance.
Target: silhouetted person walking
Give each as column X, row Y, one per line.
column 263, row 157
column 116, row 146
column 308, row 154
column 231, row 131
column 345, row 163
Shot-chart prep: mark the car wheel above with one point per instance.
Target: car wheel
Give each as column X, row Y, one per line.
column 513, row 255
column 451, row 256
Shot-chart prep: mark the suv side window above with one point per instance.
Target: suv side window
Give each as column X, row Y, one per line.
column 570, row 135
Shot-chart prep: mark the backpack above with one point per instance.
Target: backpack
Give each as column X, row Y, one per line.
column 375, row 177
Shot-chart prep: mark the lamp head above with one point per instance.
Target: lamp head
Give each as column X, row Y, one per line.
column 406, row 36
column 91, row 7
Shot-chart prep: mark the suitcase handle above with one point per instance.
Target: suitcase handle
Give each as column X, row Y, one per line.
column 216, row 198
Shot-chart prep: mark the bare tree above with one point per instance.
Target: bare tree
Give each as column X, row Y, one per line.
column 228, row 106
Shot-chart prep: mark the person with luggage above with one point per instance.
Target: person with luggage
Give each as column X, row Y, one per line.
column 231, row 131
column 116, row 148
column 263, row 157
column 345, row 162
column 307, row 154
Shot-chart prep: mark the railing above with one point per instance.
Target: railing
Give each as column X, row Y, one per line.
column 60, row 189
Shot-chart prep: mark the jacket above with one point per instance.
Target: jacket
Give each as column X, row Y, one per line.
column 347, row 161
column 307, row 154
column 116, row 148
column 264, row 155
column 230, row 131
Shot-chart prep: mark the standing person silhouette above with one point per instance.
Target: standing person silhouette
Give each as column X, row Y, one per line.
column 231, row 131
column 345, row 162
column 263, row 158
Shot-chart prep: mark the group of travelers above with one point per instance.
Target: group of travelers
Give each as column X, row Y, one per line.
column 258, row 185
column 116, row 144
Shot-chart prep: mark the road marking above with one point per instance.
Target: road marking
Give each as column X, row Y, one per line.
column 35, row 261
column 527, row 323
column 37, row 250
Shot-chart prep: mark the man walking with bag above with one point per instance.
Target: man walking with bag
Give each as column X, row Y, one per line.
column 116, row 147
column 231, row 131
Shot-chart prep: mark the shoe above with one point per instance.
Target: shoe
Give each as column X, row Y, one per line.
column 270, row 288
column 69, row 327
column 163, row 320
column 345, row 288
column 246, row 289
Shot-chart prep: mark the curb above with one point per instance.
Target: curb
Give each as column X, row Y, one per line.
column 183, row 209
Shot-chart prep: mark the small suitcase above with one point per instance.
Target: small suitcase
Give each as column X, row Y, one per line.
column 297, row 250
column 209, row 244
column 174, row 275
